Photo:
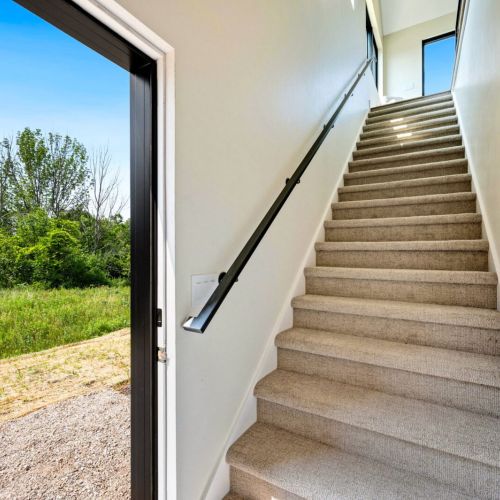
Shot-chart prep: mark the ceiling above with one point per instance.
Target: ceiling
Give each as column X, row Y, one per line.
column 401, row 14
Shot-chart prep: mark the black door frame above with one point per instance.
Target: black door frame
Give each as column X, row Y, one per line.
column 77, row 23
column 424, row 43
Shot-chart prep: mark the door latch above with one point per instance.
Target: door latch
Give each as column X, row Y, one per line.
column 162, row 355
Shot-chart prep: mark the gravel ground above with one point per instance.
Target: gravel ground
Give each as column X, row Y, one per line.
column 77, row 449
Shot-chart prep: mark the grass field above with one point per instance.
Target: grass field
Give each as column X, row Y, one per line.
column 32, row 320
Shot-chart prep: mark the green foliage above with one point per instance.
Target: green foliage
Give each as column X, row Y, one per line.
column 9, row 251
column 48, row 235
column 48, row 172
column 32, row 319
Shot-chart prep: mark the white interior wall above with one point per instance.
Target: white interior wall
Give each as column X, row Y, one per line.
column 255, row 81
column 477, row 97
column 403, row 56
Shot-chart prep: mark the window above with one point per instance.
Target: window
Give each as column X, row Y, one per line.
column 438, row 59
column 371, row 48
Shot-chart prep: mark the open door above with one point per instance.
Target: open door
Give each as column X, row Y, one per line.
column 77, row 23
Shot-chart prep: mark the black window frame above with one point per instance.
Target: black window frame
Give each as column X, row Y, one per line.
column 79, row 24
column 371, row 48
column 427, row 41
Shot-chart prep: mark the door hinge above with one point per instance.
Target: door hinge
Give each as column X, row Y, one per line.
column 159, row 317
column 162, row 355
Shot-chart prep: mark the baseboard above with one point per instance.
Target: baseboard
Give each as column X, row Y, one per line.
column 493, row 254
column 246, row 415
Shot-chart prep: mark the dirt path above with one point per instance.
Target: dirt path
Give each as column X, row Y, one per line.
column 33, row 381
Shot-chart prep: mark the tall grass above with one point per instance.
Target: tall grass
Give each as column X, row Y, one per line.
column 32, row 319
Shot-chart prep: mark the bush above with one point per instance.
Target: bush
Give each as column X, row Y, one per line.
column 57, row 261
column 9, row 251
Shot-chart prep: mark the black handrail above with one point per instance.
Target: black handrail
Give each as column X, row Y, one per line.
column 227, row 280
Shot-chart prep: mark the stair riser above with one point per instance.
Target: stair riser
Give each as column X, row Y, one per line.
column 394, row 107
column 428, row 189
column 362, row 155
column 470, row 397
column 251, row 487
column 416, row 136
column 461, row 338
column 406, row 176
column 405, row 259
column 451, row 294
column 410, row 113
column 405, row 161
column 392, row 131
column 425, row 232
column 454, row 207
column 395, row 122
column 473, row 477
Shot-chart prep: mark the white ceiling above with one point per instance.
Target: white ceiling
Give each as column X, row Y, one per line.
column 401, row 14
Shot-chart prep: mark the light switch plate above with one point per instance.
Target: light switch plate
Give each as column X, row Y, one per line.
column 202, row 287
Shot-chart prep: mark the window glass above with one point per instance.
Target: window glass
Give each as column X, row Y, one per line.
column 438, row 61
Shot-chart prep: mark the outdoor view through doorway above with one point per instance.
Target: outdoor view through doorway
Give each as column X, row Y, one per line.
column 64, row 265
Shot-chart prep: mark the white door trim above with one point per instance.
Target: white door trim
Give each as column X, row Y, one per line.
column 119, row 20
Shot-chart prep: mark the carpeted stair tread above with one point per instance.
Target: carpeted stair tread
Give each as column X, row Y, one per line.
column 415, row 111
column 382, row 246
column 407, row 156
column 449, row 430
column 412, row 275
column 313, row 470
column 391, row 122
column 232, row 496
column 446, row 363
column 472, row 317
column 406, row 221
column 408, row 136
column 426, row 181
column 406, row 200
column 373, row 175
column 402, row 146
column 410, row 103
column 392, row 131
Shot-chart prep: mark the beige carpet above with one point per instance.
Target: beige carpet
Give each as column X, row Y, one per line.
column 388, row 384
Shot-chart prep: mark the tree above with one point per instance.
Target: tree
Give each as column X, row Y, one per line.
column 6, row 203
column 48, row 172
column 105, row 202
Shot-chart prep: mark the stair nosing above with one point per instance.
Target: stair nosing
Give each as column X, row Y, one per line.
column 414, row 154
column 418, row 135
column 471, row 317
column 477, row 245
column 381, row 172
column 423, row 358
column 418, row 220
column 446, row 95
column 406, row 113
column 386, row 132
column 405, row 200
column 410, row 408
column 482, row 278
column 408, row 145
column 423, row 117
column 422, row 181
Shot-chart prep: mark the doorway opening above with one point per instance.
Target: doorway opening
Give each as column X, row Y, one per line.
column 66, row 221
column 438, row 59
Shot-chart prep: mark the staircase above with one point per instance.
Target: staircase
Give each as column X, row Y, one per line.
column 388, row 384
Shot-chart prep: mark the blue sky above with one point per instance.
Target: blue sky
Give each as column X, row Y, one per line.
column 53, row 82
column 439, row 61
